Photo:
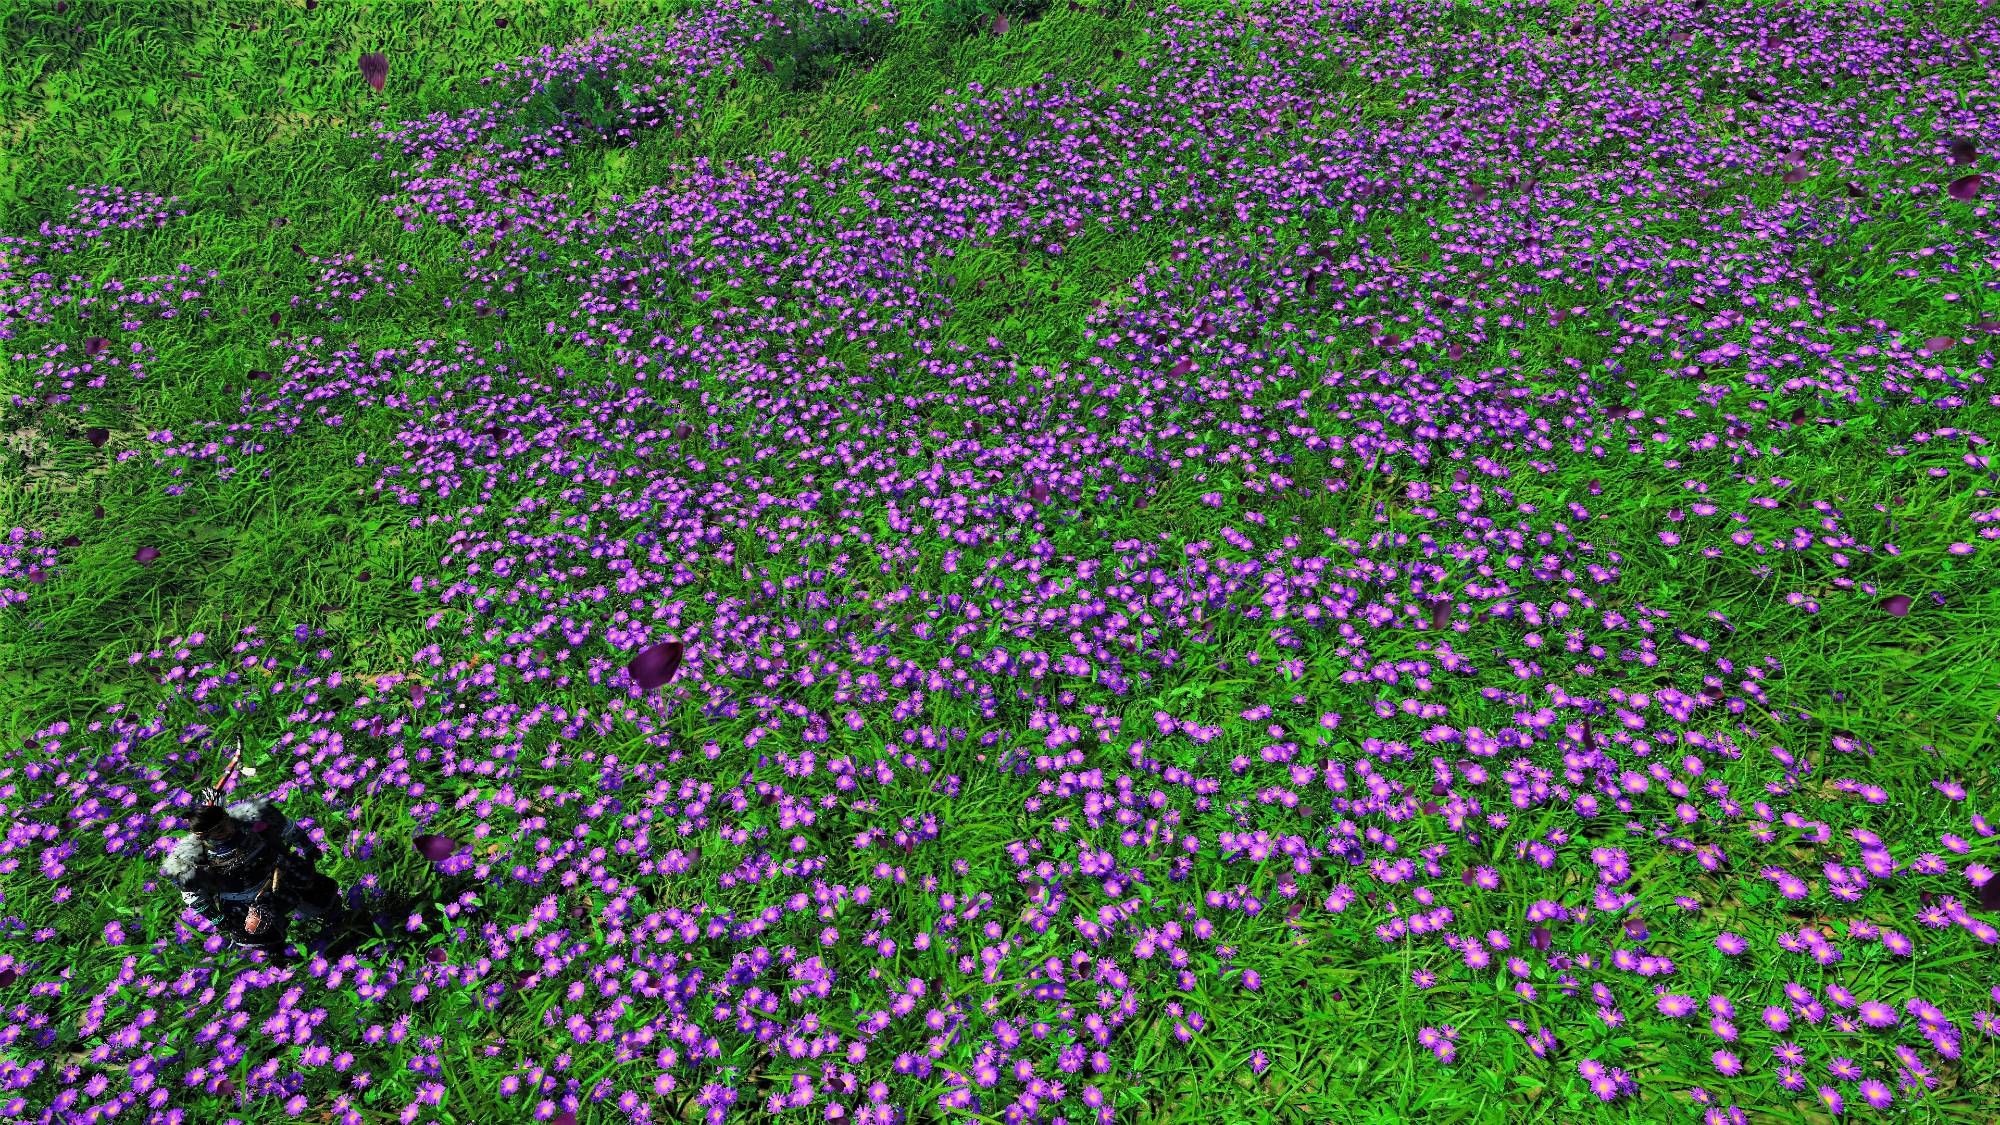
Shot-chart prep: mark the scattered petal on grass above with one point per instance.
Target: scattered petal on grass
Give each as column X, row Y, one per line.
column 1897, row 605
column 145, row 555
column 434, row 848
column 655, row 665
column 375, row 70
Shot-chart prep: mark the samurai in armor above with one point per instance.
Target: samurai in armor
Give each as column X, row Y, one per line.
column 241, row 870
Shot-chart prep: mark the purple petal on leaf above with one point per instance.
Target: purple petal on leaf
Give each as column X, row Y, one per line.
column 1964, row 188
column 375, row 69
column 145, row 555
column 437, row 849
column 1897, row 605
column 656, row 665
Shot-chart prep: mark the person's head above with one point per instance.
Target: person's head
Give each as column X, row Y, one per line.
column 211, row 823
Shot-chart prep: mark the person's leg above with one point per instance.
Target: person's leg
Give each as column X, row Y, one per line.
column 322, row 900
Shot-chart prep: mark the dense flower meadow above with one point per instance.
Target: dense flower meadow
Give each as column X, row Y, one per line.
column 1357, row 628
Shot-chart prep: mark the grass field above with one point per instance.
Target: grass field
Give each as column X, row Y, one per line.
column 1275, row 562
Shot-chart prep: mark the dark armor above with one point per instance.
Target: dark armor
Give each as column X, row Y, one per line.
column 250, row 884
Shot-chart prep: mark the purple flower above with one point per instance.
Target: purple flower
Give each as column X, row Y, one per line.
column 1875, row 1013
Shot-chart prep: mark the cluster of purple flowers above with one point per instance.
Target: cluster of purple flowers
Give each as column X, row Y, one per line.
column 758, row 437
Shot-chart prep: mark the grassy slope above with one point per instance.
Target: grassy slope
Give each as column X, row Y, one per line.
column 122, row 100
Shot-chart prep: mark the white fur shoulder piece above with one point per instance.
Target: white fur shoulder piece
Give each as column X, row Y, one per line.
column 250, row 809
column 182, row 862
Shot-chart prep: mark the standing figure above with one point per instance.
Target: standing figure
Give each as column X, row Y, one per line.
column 240, row 871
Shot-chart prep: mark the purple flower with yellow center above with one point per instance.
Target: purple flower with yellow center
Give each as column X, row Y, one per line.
column 1674, row 1006
column 1875, row 1013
